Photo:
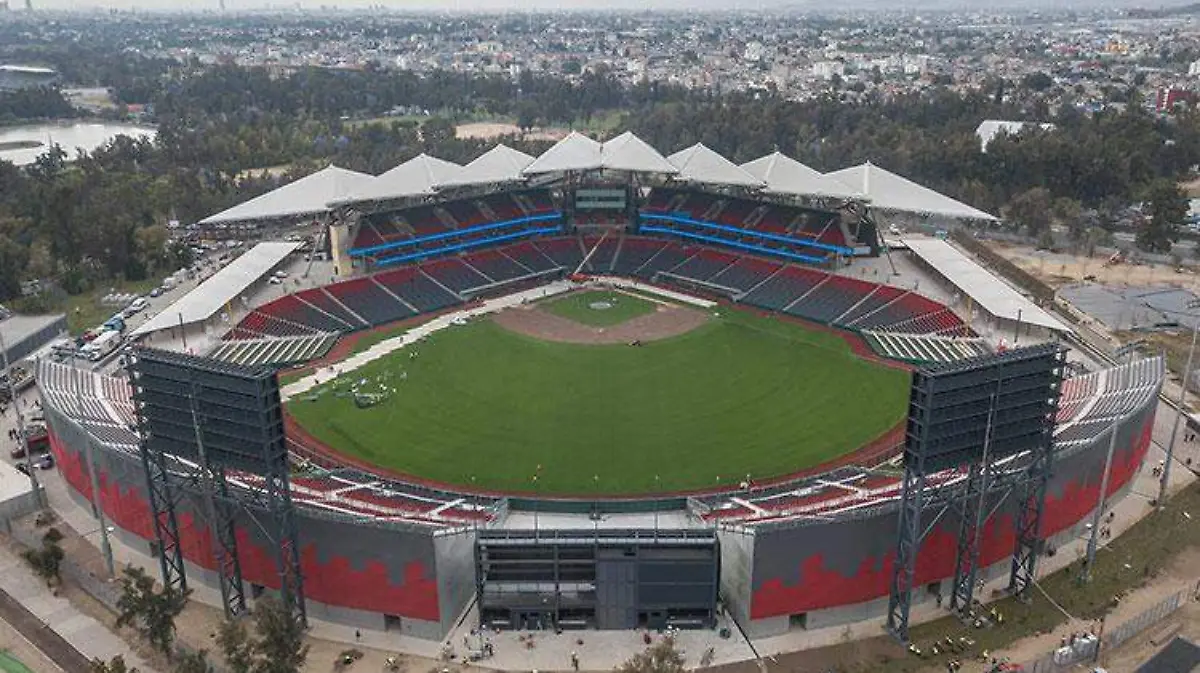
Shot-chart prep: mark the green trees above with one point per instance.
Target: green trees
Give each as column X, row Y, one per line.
column 275, row 646
column 46, row 562
column 1166, row 207
column 1031, row 210
column 151, row 612
column 116, row 665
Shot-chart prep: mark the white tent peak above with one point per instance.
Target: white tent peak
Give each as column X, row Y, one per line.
column 701, row 164
column 419, row 176
column 499, row 164
column 889, row 191
column 307, row 196
column 784, row 175
column 575, row 152
column 627, row 152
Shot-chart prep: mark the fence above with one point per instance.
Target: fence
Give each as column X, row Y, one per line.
column 1064, row 658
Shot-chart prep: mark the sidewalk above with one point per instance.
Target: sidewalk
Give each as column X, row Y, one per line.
column 70, row 638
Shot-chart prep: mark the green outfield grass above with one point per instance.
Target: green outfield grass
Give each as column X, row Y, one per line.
column 741, row 395
column 578, row 307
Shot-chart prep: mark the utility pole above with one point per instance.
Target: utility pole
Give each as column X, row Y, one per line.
column 1179, row 407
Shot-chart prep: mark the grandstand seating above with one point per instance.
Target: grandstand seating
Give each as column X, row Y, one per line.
column 636, row 251
column 754, row 217
column 881, row 296
column 496, row 265
column 831, row 299
column 565, row 252
column 783, row 288
column 529, row 256
column 455, row 275
column 366, row 298
column 744, row 274
column 669, row 257
column 293, row 309
column 322, row 300
column 605, row 252
column 417, row 289
column 704, row 265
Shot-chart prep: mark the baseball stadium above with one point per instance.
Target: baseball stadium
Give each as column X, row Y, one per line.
column 604, row 388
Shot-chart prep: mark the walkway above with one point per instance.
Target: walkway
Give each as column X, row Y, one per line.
column 67, row 636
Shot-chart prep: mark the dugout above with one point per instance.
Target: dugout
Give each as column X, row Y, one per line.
column 597, row 579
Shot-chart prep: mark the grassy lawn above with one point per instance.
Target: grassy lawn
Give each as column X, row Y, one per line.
column 743, row 394
column 85, row 311
column 1126, row 563
column 621, row 307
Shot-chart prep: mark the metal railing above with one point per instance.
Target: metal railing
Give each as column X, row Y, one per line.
column 1065, row 658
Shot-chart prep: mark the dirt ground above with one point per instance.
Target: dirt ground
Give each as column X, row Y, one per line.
column 667, row 321
column 490, row 130
column 1060, row 268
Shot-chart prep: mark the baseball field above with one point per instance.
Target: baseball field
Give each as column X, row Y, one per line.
column 491, row 407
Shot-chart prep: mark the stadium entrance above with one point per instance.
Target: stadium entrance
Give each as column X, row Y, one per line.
column 599, row 579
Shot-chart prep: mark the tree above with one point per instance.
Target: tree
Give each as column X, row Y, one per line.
column 661, row 657
column 1167, row 207
column 276, row 646
column 47, row 561
column 116, row 665
column 151, row 612
column 192, row 662
column 1031, row 210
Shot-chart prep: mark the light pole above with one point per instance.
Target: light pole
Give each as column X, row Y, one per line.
column 1085, row 574
column 104, row 532
column 1187, row 372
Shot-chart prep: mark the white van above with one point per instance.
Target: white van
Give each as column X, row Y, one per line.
column 98, row 348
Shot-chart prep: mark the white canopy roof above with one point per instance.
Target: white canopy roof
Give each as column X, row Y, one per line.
column 994, row 295
column 988, row 129
column 700, row 164
column 418, row 176
column 307, row 196
column 499, row 164
column 889, row 191
column 628, row 152
column 576, row 152
column 220, row 288
column 785, row 175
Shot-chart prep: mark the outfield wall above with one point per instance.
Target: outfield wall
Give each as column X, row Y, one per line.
column 385, row 576
column 819, row 573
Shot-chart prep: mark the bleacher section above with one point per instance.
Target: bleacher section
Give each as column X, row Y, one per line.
column 762, row 228
column 97, row 401
column 430, row 230
column 274, row 351
column 435, row 285
column 417, row 289
column 921, row 348
column 366, row 298
column 1086, row 409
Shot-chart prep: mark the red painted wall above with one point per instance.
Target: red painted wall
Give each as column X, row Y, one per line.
column 333, row 582
column 822, row 587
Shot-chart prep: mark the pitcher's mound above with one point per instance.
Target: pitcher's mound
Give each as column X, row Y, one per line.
column 666, row 321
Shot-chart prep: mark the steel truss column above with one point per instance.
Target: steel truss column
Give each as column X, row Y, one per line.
column 970, row 522
column 1033, row 488
column 908, row 544
column 229, row 569
column 282, row 515
column 163, row 499
column 1028, row 524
